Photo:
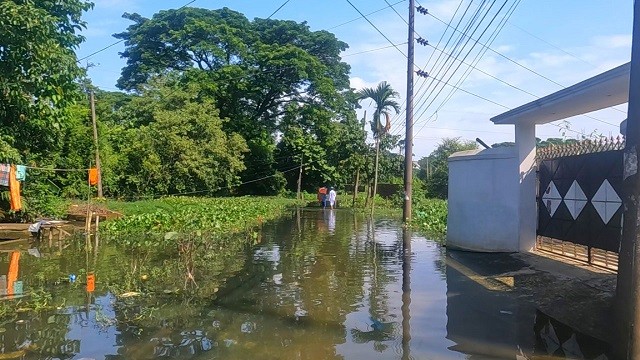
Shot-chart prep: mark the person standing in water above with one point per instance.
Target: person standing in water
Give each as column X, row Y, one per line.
column 332, row 197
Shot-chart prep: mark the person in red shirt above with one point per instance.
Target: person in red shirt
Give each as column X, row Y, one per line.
column 322, row 196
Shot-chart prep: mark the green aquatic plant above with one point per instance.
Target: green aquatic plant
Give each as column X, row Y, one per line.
column 431, row 218
column 189, row 234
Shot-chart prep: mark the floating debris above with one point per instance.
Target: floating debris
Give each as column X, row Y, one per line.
column 130, row 294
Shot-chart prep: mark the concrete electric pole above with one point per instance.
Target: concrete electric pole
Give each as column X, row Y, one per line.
column 408, row 146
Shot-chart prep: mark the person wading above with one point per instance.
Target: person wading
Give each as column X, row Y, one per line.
column 332, row 197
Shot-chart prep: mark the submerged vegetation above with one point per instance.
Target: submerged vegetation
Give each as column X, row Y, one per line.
column 430, row 217
column 192, row 215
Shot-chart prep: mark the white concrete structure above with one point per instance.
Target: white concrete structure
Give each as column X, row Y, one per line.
column 483, row 200
column 601, row 91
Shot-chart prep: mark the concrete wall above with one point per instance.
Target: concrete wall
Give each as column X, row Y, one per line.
column 484, row 192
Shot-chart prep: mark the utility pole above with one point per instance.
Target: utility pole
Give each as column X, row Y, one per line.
column 95, row 141
column 408, row 146
column 628, row 286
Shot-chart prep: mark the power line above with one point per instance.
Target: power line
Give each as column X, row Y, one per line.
column 561, row 49
column 451, row 56
column 504, row 56
column 278, row 9
column 477, row 58
column 375, row 27
column 474, row 67
column 396, row 11
column 552, row 45
column 447, row 59
column 371, row 13
column 399, row 116
column 372, row 50
column 121, row 40
column 153, row 196
column 441, row 81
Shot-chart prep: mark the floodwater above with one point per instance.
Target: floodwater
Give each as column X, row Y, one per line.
column 320, row 284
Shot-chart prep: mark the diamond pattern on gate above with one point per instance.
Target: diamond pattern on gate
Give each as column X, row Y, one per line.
column 552, row 198
column 575, row 199
column 606, row 201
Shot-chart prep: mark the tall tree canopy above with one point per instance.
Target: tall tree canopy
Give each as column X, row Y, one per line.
column 253, row 69
column 384, row 98
column 38, row 70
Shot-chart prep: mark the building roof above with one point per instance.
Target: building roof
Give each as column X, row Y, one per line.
column 599, row 92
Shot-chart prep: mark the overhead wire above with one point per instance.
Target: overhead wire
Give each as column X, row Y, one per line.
column 372, row 50
column 278, row 9
column 562, row 50
column 475, row 61
column 448, row 41
column 459, row 41
column 452, row 57
column 488, row 47
column 121, row 40
column 360, row 17
column 375, row 27
column 475, row 67
column 158, row 196
column 398, row 117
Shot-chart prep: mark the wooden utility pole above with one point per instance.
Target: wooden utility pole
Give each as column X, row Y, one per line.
column 300, row 180
column 95, row 141
column 408, row 146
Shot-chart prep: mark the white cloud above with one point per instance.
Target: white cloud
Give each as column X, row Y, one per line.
column 613, row 41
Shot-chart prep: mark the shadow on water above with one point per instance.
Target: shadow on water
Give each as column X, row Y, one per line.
column 321, row 284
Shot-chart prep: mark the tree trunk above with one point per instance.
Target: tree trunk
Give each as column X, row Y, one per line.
column 375, row 177
column 367, row 193
column 299, row 195
column 355, row 189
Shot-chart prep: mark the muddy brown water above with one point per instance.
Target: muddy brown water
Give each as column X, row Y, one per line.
column 320, row 284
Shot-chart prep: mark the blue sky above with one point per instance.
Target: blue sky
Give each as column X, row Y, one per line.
column 563, row 40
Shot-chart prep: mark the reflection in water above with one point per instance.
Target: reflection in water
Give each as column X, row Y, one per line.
column 557, row 339
column 406, row 293
column 484, row 318
column 324, row 284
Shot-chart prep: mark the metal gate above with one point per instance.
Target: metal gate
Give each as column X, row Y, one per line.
column 579, row 201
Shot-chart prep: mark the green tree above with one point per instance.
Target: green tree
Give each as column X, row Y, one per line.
column 39, row 91
column 38, row 70
column 437, row 183
column 252, row 69
column 354, row 152
column 180, row 147
column 383, row 97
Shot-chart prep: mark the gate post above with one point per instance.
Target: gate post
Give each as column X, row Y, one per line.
column 525, row 134
column 628, row 286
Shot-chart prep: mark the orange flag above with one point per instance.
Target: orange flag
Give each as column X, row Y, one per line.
column 13, row 271
column 93, row 176
column 91, row 282
column 14, row 190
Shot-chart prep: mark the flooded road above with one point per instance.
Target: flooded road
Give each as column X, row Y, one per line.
column 322, row 284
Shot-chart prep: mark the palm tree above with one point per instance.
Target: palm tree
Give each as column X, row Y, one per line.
column 384, row 98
